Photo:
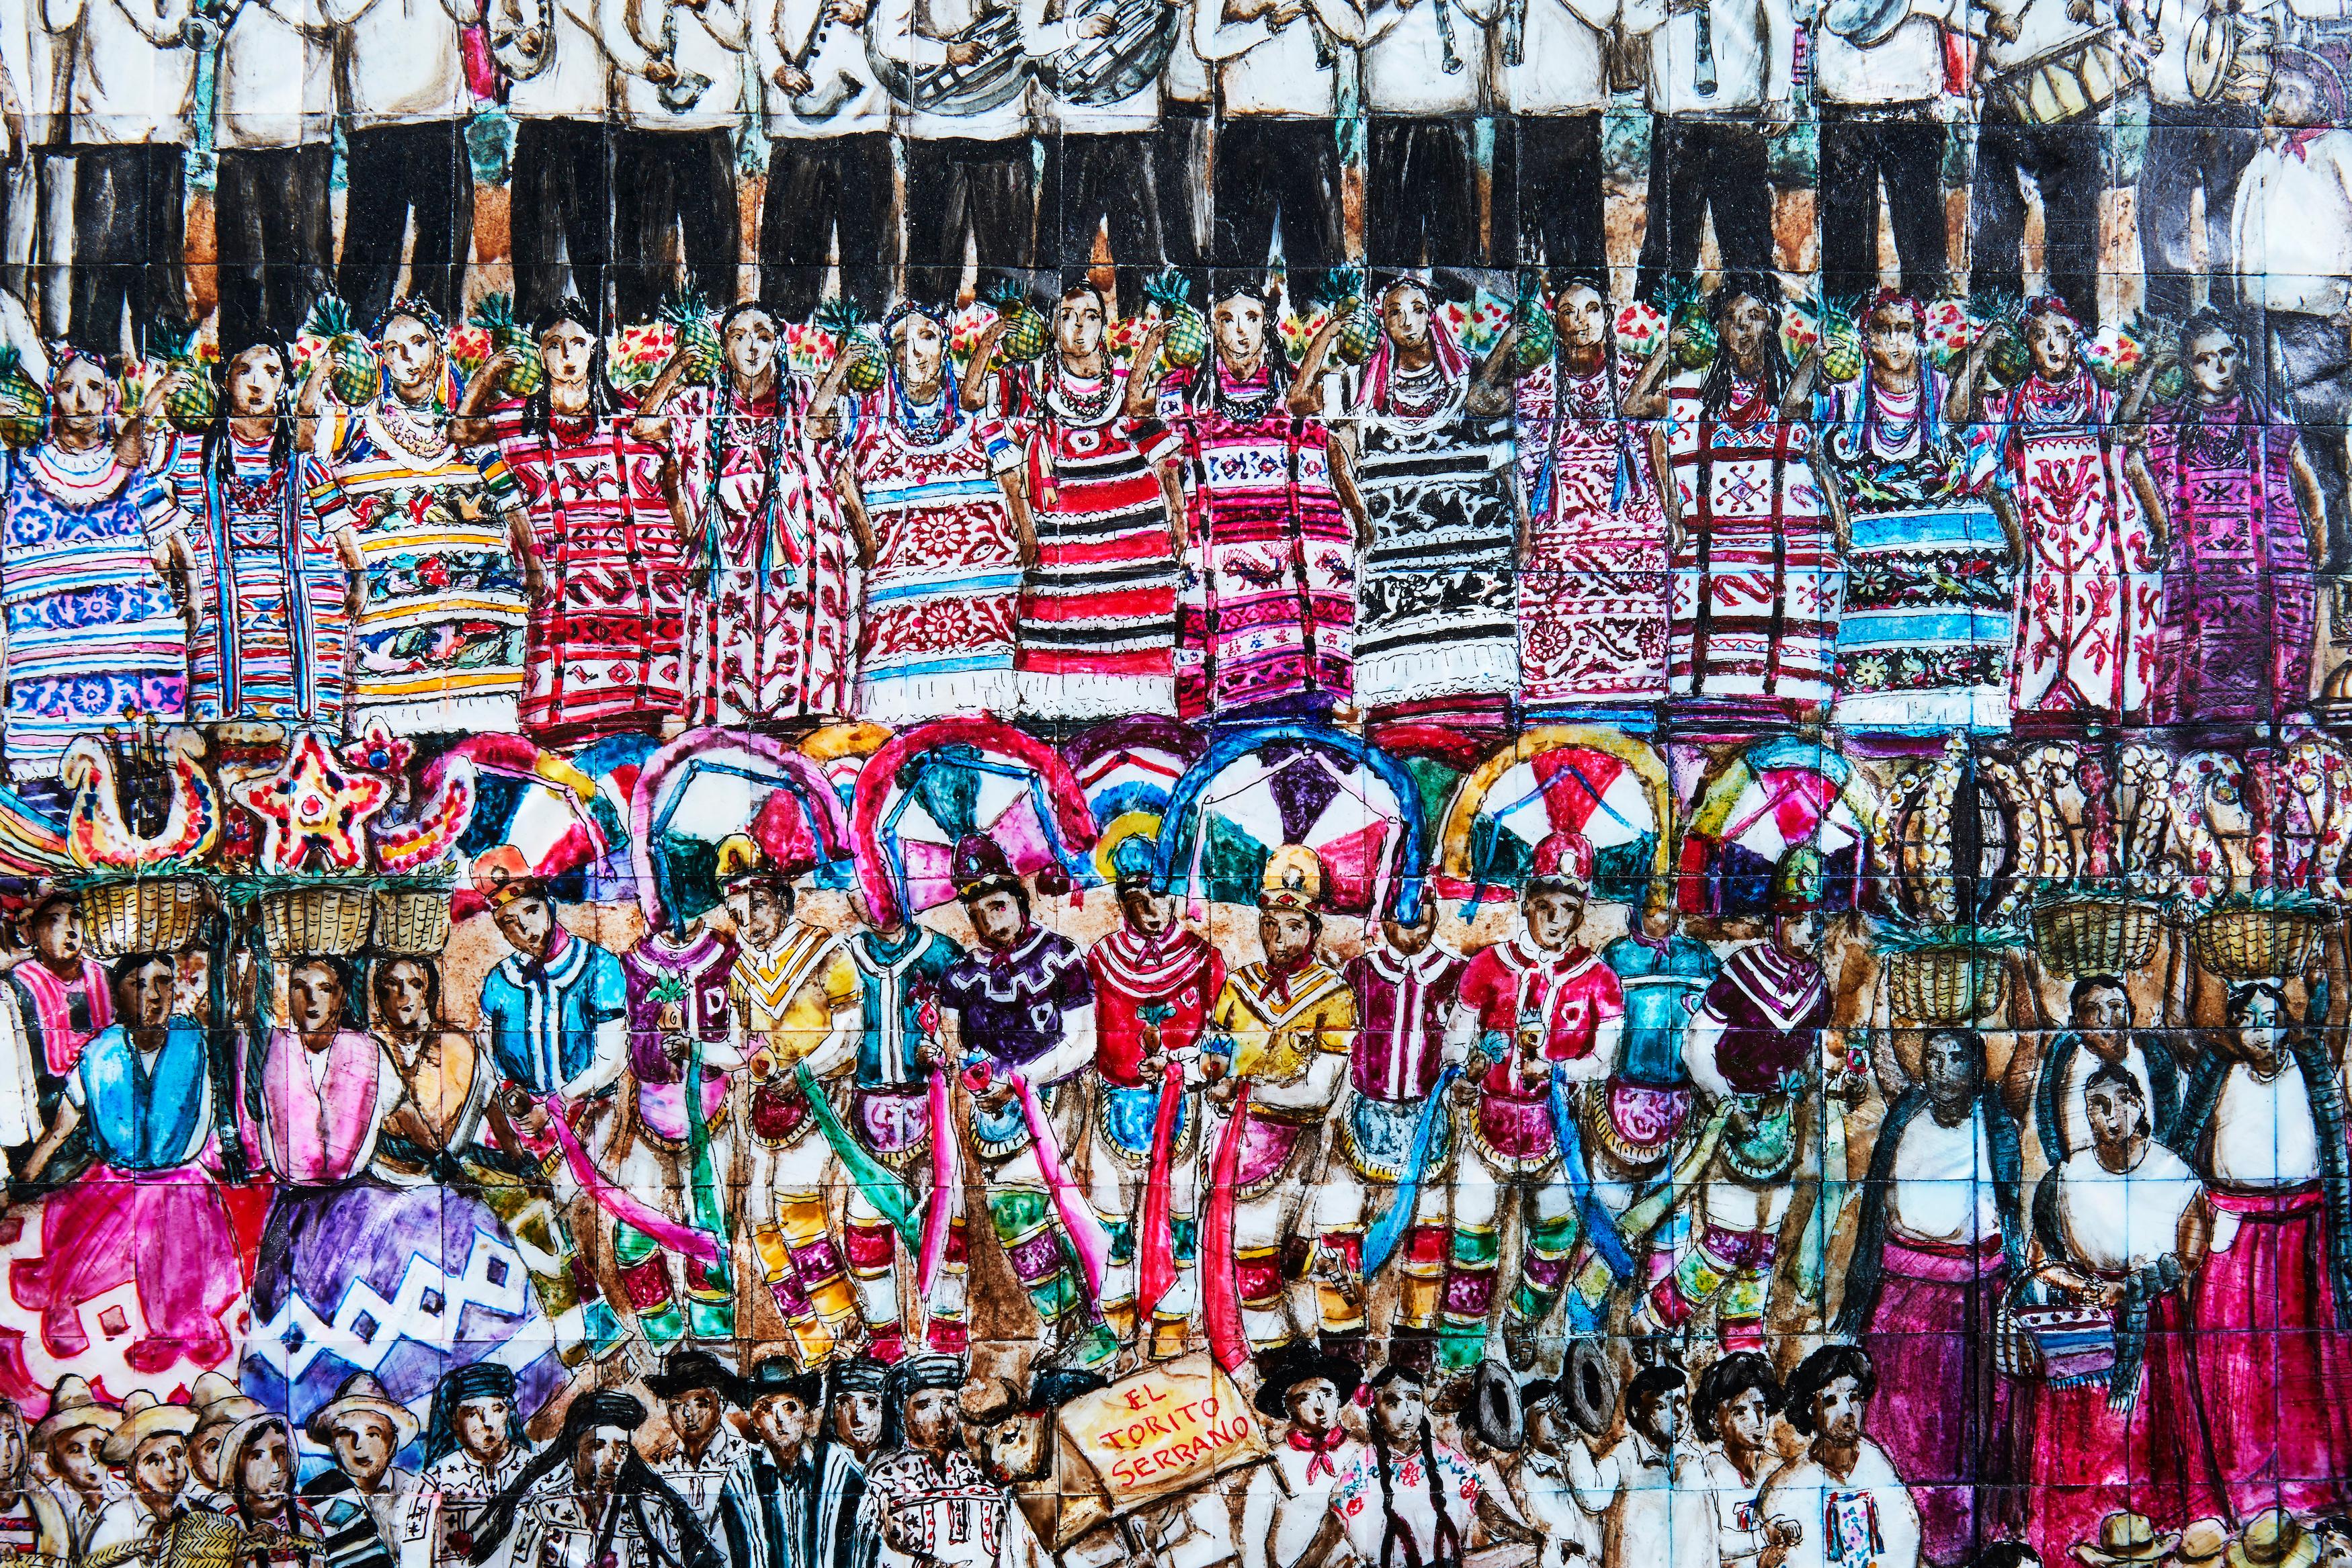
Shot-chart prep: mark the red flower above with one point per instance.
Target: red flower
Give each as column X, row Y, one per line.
column 432, row 573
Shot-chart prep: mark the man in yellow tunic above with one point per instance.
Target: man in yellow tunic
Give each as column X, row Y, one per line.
column 798, row 1017
column 1276, row 1057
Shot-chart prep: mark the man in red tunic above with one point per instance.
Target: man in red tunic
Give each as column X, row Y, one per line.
column 1154, row 982
column 1537, row 1016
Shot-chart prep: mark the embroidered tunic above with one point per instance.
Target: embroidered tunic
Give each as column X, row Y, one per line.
column 703, row 966
column 274, row 642
column 1757, row 582
column 1592, row 591
column 1266, row 626
column 1925, row 638
column 1764, row 1017
column 606, row 653
column 942, row 595
column 94, row 636
column 774, row 634
column 1180, row 971
column 898, row 983
column 1099, row 611
column 1437, row 631
column 1402, row 1004
column 786, row 1000
column 1538, row 1005
column 1272, row 1027
column 2239, row 611
column 542, row 1019
column 2091, row 600
column 439, row 644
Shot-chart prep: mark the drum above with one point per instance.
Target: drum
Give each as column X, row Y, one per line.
column 2229, row 57
column 2075, row 80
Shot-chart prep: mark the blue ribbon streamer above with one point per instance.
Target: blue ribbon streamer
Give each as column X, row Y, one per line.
column 1600, row 1227
column 1382, row 1241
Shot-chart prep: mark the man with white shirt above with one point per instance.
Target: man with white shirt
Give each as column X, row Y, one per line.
column 1649, row 1492
column 1421, row 201
column 273, row 103
column 1851, row 1508
column 1877, row 78
column 1289, row 1495
column 1720, row 83
column 1278, row 65
column 1732, row 1415
column 2191, row 147
column 2291, row 236
column 1098, row 147
column 677, row 69
column 560, row 178
column 1942, row 1233
column 133, row 94
column 1179, row 144
column 828, row 156
column 1550, row 77
column 402, row 96
column 2066, row 159
column 966, row 141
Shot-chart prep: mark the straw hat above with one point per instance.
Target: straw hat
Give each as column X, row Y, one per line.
column 2202, row 1543
column 2274, row 1539
column 361, row 1393
column 74, row 1404
column 143, row 1417
column 2126, row 1537
column 217, row 1402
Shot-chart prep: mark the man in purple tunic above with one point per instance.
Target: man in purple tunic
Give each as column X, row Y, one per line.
column 1942, row 1232
column 1025, row 1008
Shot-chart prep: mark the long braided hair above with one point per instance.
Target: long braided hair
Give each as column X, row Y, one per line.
column 637, row 1484
column 281, row 426
column 1714, row 394
column 540, row 406
column 1446, row 1537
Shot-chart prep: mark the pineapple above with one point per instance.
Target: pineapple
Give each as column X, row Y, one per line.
column 495, row 315
column 1841, row 340
column 194, row 404
column 1536, row 339
column 354, row 378
column 698, row 340
column 1187, row 342
column 1687, row 310
column 868, row 364
column 24, row 407
column 1359, row 329
column 2005, row 355
column 2160, row 336
column 1026, row 334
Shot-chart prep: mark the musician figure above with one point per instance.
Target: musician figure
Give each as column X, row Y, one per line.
column 1099, row 100
column 677, row 69
column 1719, row 88
column 957, row 68
column 2065, row 159
column 1421, row 207
column 1278, row 64
column 273, row 100
column 829, row 173
column 1878, row 74
column 2192, row 145
column 1549, row 73
column 560, row 178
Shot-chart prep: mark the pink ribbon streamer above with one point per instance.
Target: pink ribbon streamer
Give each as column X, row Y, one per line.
column 666, row 1232
column 1079, row 1220
column 940, row 1217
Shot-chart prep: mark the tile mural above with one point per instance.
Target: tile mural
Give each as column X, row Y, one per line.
column 1175, row 783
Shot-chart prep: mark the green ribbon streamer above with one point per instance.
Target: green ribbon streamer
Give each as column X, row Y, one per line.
column 883, row 1187
column 708, row 1215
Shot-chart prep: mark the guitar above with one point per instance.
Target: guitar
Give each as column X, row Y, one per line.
column 995, row 77
column 1120, row 64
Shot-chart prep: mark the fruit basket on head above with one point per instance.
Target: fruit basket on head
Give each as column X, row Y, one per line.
column 1948, row 977
column 145, row 817
column 2265, row 933
column 2093, row 927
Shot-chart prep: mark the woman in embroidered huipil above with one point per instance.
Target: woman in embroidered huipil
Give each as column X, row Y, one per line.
column 1756, row 579
column 437, row 647
column 942, row 522
column 1266, row 623
column 774, row 636
column 605, row 649
column 2247, row 529
column 94, row 579
column 1437, row 629
column 279, row 581
column 2090, row 598
column 1593, row 570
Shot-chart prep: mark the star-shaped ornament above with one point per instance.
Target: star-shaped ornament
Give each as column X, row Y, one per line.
column 313, row 802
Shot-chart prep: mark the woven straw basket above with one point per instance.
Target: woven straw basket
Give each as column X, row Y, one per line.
column 1945, row 985
column 149, row 914
column 2242, row 944
column 412, row 922
column 326, row 921
column 2094, row 936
